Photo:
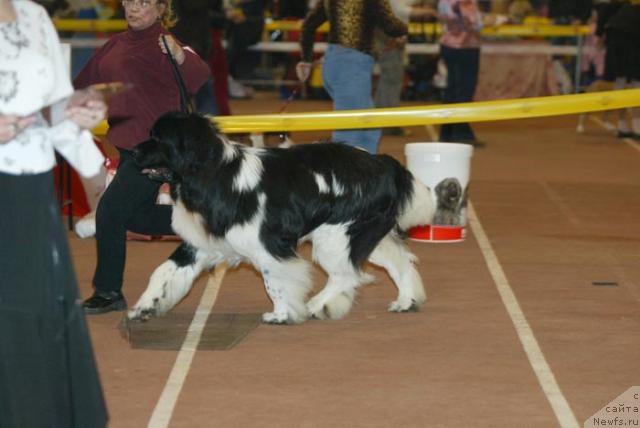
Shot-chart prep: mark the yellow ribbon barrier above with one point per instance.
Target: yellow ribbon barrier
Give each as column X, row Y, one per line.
column 536, row 30
column 90, row 25
column 523, row 108
column 527, row 30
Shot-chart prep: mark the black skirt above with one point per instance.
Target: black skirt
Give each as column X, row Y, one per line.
column 48, row 376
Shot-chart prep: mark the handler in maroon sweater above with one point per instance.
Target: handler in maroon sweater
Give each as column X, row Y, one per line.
column 135, row 56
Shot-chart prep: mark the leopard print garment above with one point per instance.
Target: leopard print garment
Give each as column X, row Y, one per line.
column 352, row 24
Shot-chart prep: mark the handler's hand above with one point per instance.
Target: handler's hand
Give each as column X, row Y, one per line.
column 88, row 115
column 303, row 70
column 176, row 51
column 11, row 125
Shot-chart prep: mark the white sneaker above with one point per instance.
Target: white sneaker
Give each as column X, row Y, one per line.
column 236, row 89
column 86, row 226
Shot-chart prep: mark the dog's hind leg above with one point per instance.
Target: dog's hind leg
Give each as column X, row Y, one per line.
column 287, row 283
column 171, row 281
column 331, row 251
column 393, row 255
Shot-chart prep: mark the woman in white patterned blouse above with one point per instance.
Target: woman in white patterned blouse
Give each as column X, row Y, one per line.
column 48, row 375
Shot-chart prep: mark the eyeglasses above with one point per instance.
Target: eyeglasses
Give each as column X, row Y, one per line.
column 143, row 4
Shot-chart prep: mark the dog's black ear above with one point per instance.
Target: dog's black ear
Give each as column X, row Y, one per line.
column 165, row 128
column 196, row 142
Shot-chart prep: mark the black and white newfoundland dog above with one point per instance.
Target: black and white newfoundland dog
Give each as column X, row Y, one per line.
column 235, row 203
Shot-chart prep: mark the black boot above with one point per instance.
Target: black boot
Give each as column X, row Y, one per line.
column 104, row 301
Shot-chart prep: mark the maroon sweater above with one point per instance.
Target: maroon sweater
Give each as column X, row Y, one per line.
column 135, row 57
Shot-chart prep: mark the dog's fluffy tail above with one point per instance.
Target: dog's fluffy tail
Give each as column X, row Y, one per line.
column 418, row 208
column 416, row 205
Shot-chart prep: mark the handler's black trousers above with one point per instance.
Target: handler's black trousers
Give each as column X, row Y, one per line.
column 129, row 203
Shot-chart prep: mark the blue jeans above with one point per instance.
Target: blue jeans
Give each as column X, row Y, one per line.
column 346, row 75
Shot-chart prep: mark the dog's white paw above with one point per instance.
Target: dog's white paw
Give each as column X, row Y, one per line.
column 316, row 308
column 140, row 313
column 147, row 308
column 275, row 318
column 335, row 308
column 404, row 305
column 580, row 129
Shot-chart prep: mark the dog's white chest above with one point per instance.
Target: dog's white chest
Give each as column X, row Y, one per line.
column 190, row 226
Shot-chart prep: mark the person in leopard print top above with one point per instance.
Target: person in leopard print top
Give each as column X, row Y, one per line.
column 348, row 61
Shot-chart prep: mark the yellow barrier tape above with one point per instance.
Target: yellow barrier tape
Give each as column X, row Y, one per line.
column 537, row 30
column 531, row 30
column 90, row 25
column 523, row 108
column 424, row 115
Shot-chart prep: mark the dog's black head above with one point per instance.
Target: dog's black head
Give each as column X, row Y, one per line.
column 449, row 192
column 180, row 144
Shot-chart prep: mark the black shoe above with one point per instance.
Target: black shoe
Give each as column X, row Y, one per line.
column 104, row 301
column 624, row 134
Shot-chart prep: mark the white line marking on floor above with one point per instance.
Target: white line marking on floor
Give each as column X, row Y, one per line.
column 164, row 408
column 628, row 141
column 541, row 368
column 564, row 208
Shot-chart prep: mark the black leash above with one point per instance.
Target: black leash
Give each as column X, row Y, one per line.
column 185, row 103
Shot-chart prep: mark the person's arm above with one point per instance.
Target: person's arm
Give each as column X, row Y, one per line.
column 11, row 125
column 71, row 137
column 456, row 21
column 388, row 22
column 193, row 69
column 90, row 73
column 474, row 23
column 314, row 19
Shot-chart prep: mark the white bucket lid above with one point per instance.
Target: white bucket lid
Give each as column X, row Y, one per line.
column 457, row 149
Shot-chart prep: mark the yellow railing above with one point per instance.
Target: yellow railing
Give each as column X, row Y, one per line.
column 90, row 25
column 423, row 115
column 527, row 30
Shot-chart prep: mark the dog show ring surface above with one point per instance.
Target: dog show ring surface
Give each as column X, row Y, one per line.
column 445, row 168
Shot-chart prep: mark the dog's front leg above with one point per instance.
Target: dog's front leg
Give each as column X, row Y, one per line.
column 171, row 281
column 287, row 283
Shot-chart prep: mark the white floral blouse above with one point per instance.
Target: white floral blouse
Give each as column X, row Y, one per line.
column 33, row 74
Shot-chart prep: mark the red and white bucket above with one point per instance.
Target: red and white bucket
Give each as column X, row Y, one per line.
column 445, row 168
